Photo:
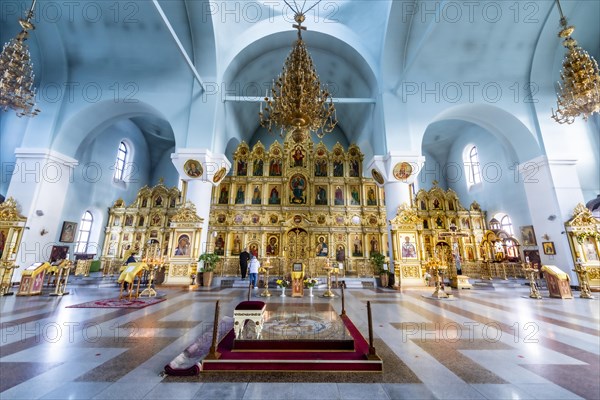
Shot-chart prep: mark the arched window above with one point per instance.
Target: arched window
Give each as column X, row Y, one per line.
column 121, row 160
column 471, row 159
column 83, row 236
column 505, row 223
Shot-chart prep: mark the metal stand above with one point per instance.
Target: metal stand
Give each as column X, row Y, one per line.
column 149, row 291
column 328, row 292
column 6, row 272
column 62, row 277
column 266, row 292
column 534, row 293
column 439, row 283
column 584, row 281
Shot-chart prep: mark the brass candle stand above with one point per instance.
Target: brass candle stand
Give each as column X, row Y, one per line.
column 266, row 292
column 6, row 271
column 438, row 269
column 62, row 277
column 534, row 292
column 149, row 290
column 328, row 292
column 584, row 281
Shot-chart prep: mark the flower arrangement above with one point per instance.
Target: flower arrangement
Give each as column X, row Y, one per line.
column 282, row 283
column 310, row 282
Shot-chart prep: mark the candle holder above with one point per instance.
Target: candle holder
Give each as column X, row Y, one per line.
column 328, row 292
column 584, row 281
column 266, row 292
column 534, row 292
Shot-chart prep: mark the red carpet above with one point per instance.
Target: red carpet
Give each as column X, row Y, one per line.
column 116, row 303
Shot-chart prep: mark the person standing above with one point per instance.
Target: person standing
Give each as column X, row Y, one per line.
column 254, row 266
column 244, row 257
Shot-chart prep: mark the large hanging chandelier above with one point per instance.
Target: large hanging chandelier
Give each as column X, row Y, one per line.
column 298, row 104
column 579, row 93
column 16, row 72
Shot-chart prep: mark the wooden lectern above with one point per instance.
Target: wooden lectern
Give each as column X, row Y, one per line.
column 32, row 280
column 558, row 282
column 297, row 280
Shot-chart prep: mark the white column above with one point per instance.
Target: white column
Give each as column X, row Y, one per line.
column 553, row 190
column 396, row 172
column 39, row 184
column 199, row 186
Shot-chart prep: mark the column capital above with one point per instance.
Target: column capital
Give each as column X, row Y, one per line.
column 201, row 165
column 395, row 167
column 45, row 154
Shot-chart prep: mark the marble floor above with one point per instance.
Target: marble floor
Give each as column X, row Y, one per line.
column 484, row 343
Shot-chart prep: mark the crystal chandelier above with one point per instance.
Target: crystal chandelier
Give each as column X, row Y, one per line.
column 580, row 92
column 298, row 104
column 16, row 72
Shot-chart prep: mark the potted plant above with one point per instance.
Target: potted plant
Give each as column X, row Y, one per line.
column 378, row 261
column 210, row 263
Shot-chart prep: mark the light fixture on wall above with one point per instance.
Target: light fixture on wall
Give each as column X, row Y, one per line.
column 16, row 72
column 298, row 103
column 579, row 93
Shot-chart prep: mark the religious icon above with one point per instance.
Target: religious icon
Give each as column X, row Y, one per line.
column 377, row 176
column 221, row 218
column 258, row 168
column 402, row 171
column 67, row 234
column 322, row 249
column 321, row 196
column 528, row 235
column 254, row 250
column 357, row 247
column 298, row 157
column 242, row 168
column 224, row 195
column 220, row 245
column 354, row 168
column 237, row 245
column 321, row 167
column 338, row 169
column 255, row 218
column 549, row 248
column 219, row 175
column 192, row 168
column 374, row 245
column 274, row 219
column 274, row 196
column 256, row 195
column 275, row 167
column 298, row 186
column 339, row 197
column 129, row 220
column 183, row 246
column 355, row 196
column 371, row 199
column 408, row 248
column 158, row 201
column 272, row 246
column 340, row 254
column 240, row 195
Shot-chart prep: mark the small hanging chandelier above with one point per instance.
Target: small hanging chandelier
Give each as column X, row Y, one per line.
column 298, row 103
column 580, row 92
column 16, row 72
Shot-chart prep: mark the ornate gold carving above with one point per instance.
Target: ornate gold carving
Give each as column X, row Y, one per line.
column 9, row 211
column 179, row 270
column 406, row 215
column 582, row 216
column 187, row 213
column 410, row 271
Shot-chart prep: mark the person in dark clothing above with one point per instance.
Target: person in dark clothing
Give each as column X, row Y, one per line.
column 244, row 257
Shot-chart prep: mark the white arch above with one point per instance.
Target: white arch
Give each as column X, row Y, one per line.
column 84, row 126
column 507, row 128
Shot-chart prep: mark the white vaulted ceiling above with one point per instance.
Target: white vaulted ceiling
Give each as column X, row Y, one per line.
column 362, row 48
